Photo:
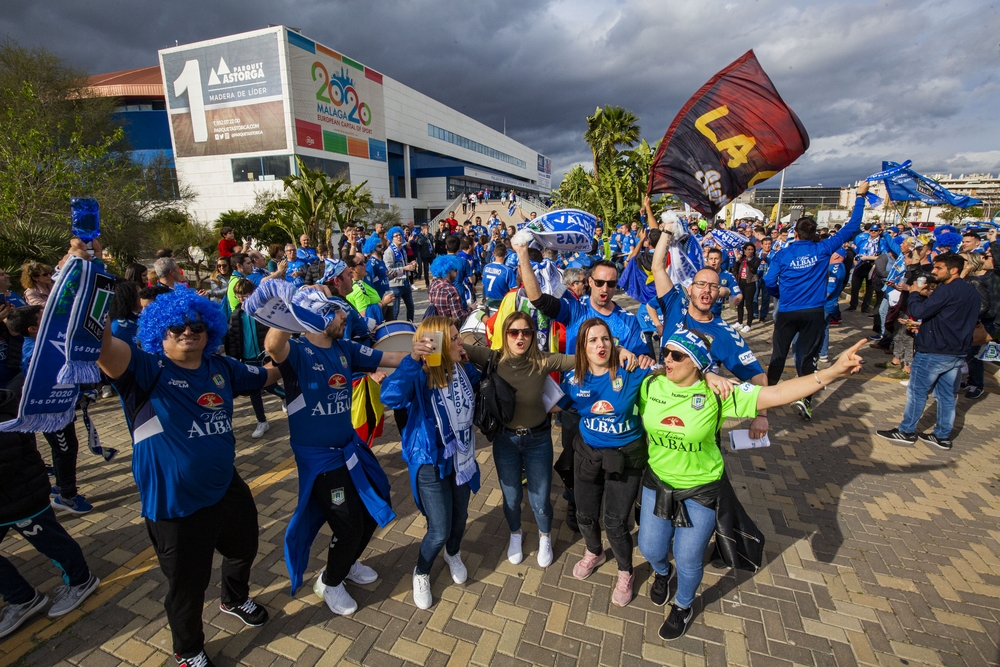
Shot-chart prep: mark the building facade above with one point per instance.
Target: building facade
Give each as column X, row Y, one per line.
column 240, row 110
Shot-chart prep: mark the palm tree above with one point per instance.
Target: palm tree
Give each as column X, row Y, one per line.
column 608, row 129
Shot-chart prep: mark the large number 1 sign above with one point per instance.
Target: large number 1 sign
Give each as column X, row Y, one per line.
column 189, row 82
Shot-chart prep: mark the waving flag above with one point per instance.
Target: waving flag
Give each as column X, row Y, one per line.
column 904, row 184
column 733, row 134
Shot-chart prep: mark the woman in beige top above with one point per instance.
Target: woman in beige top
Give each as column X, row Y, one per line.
column 36, row 279
column 526, row 441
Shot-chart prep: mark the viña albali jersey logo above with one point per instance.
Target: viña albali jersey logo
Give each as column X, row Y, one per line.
column 215, row 422
column 338, row 401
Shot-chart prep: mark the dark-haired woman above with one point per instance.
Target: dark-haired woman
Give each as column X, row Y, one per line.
column 685, row 481
column 746, row 276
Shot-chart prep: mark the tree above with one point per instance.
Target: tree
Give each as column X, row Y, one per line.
column 388, row 215
column 954, row 215
column 353, row 203
column 194, row 245
column 608, row 129
column 58, row 141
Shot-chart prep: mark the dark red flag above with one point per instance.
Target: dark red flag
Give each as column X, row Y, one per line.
column 733, row 134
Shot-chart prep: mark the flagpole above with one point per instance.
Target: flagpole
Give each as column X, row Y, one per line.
column 781, row 190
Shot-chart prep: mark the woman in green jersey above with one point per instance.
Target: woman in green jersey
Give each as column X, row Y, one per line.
column 685, row 474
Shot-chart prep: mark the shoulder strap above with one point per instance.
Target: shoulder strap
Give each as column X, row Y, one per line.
column 718, row 419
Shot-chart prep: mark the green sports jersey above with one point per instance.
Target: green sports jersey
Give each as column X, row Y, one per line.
column 681, row 423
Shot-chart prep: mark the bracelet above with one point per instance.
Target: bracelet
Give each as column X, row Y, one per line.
column 816, row 377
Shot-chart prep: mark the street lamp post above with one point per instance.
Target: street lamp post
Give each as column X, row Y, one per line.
column 781, row 190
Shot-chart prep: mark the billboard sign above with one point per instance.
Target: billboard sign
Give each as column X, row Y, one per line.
column 338, row 103
column 544, row 172
column 225, row 97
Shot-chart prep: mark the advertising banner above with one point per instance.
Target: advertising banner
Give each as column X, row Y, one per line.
column 544, row 172
column 226, row 97
column 338, row 103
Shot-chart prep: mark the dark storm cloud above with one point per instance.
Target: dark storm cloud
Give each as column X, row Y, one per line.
column 896, row 80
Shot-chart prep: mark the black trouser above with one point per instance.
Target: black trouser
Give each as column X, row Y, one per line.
column 809, row 324
column 749, row 293
column 424, row 271
column 185, row 548
column 618, row 495
column 65, row 447
column 43, row 532
column 862, row 274
column 564, row 464
column 257, row 402
column 348, row 518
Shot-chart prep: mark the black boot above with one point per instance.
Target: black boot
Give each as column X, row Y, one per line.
column 571, row 518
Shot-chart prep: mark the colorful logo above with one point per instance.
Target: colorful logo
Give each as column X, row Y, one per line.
column 617, row 384
column 338, row 90
column 211, row 401
column 672, row 421
column 602, row 408
column 337, row 381
column 218, row 380
column 698, row 401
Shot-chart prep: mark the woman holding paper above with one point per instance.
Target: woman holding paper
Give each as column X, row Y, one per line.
column 435, row 383
column 685, row 484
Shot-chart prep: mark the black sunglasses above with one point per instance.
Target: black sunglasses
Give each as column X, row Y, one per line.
column 197, row 327
column 675, row 355
column 601, row 283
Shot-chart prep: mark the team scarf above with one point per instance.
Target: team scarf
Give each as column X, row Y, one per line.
column 397, row 254
column 511, row 208
column 66, row 348
column 93, row 438
column 729, row 239
column 684, row 260
column 279, row 305
column 453, row 406
column 565, row 230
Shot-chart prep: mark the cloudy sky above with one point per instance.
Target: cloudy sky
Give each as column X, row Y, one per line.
column 897, row 79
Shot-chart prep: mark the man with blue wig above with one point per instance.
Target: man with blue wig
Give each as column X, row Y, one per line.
column 177, row 394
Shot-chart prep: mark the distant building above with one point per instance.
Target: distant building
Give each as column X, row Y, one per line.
column 981, row 186
column 806, row 196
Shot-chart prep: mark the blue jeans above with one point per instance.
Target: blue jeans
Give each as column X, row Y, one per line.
column 446, row 506
column 532, row 453
column 656, row 534
column 937, row 372
column 405, row 294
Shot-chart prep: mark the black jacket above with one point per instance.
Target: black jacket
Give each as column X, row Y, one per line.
column 234, row 337
column 24, row 484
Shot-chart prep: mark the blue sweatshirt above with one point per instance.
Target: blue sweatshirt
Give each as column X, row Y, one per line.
column 799, row 269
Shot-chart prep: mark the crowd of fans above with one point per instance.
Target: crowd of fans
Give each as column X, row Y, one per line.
column 639, row 400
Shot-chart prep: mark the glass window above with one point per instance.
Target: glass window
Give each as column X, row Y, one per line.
column 276, row 167
column 246, row 169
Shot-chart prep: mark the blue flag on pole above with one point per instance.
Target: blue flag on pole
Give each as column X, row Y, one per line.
column 904, row 184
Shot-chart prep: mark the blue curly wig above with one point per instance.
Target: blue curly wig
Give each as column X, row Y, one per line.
column 393, row 231
column 443, row 264
column 179, row 306
column 949, row 240
column 370, row 244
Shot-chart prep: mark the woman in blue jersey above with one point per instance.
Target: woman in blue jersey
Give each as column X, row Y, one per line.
column 610, row 450
column 438, row 443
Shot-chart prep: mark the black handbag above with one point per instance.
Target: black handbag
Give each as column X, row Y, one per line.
column 494, row 400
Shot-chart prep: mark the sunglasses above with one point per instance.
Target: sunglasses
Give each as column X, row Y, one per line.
column 196, row 327
column 675, row 355
column 517, row 333
column 601, row 283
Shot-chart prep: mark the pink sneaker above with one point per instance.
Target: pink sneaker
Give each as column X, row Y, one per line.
column 588, row 564
column 623, row 589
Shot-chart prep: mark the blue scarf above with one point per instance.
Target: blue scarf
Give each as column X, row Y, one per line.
column 66, row 348
column 369, row 480
column 453, row 406
column 397, row 254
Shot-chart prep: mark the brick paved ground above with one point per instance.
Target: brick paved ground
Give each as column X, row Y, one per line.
column 877, row 554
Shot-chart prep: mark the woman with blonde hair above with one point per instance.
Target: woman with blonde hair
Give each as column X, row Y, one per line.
column 36, row 279
column 438, row 443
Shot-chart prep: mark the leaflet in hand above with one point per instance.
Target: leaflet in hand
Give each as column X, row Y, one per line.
column 741, row 440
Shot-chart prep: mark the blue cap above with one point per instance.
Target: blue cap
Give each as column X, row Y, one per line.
column 693, row 346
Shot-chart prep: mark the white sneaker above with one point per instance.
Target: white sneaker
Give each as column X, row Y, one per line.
column 905, row 383
column 362, row 574
column 262, row 428
column 284, row 407
column 458, row 572
column 514, row 554
column 339, row 600
column 319, row 587
column 544, row 550
column 107, row 391
column 825, row 359
column 422, row 590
